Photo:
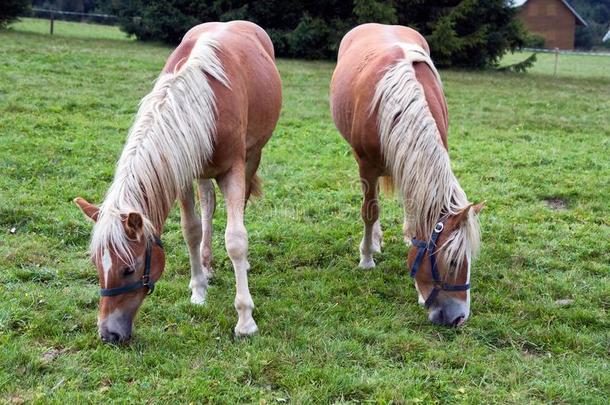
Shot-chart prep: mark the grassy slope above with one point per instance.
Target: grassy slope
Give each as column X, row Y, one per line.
column 329, row 331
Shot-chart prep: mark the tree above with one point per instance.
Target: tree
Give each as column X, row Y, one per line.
column 597, row 15
column 469, row 33
column 377, row 11
column 11, row 9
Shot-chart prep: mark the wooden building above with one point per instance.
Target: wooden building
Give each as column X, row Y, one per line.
column 555, row 20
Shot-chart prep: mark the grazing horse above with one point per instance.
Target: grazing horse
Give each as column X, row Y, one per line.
column 387, row 101
column 211, row 111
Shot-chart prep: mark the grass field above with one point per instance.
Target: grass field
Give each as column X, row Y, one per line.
column 568, row 65
column 535, row 147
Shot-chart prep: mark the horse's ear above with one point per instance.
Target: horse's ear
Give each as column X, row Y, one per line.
column 134, row 225
column 478, row 207
column 87, row 208
column 463, row 214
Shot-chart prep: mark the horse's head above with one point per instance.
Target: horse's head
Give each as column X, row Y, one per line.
column 441, row 266
column 128, row 263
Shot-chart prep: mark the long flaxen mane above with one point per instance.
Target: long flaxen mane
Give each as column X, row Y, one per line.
column 170, row 141
column 420, row 166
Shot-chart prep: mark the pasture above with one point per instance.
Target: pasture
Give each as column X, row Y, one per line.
column 535, row 147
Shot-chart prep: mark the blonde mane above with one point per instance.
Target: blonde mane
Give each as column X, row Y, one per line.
column 412, row 148
column 170, row 142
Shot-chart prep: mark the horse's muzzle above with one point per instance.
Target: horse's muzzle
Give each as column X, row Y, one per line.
column 115, row 329
column 450, row 312
column 113, row 337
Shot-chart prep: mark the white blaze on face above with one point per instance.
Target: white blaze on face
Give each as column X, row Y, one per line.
column 106, row 265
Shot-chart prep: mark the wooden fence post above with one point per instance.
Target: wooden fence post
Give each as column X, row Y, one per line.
column 52, row 18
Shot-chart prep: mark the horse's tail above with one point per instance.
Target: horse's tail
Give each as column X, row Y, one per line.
column 256, row 189
column 387, row 185
column 410, row 140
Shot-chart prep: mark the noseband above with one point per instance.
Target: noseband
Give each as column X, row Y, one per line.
column 430, row 246
column 145, row 281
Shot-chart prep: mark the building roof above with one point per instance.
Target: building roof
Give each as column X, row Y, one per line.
column 519, row 3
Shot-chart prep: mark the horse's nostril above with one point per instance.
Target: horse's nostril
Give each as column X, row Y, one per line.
column 458, row 321
column 111, row 337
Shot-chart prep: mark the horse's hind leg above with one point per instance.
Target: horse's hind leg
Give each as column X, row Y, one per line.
column 191, row 229
column 371, row 240
column 233, row 187
column 207, row 198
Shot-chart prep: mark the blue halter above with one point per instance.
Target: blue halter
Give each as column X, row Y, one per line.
column 145, row 281
column 430, row 246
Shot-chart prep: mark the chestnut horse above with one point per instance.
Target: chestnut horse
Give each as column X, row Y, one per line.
column 387, row 101
column 211, row 111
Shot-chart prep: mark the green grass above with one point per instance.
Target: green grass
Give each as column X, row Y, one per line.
column 69, row 29
column 329, row 332
column 568, row 65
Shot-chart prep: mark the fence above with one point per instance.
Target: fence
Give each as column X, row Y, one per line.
column 52, row 15
column 568, row 52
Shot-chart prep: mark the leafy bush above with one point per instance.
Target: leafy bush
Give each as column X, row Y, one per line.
column 470, row 33
column 310, row 39
column 534, row 41
column 11, row 9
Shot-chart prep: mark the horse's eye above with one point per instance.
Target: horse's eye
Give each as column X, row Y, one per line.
column 127, row 271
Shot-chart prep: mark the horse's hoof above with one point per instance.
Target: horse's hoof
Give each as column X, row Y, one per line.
column 366, row 263
column 249, row 328
column 198, row 298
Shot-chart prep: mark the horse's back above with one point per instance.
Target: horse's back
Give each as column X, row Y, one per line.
column 365, row 55
column 247, row 57
column 375, row 35
column 242, row 34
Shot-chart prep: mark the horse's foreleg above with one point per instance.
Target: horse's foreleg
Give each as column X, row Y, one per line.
column 191, row 229
column 233, row 187
column 207, row 198
column 377, row 237
column 371, row 240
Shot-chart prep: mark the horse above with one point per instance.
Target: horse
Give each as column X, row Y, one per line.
column 387, row 102
column 213, row 107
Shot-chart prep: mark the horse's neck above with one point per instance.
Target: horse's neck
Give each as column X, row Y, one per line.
column 142, row 192
column 428, row 202
column 159, row 221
